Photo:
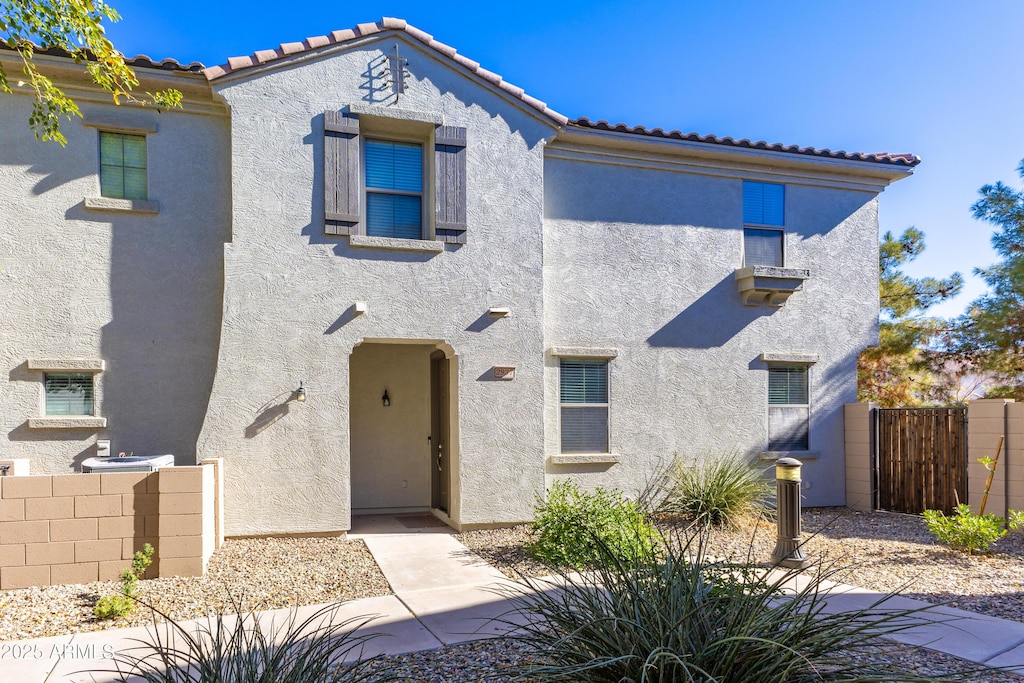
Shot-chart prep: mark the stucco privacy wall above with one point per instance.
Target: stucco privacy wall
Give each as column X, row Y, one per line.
column 640, row 257
column 290, row 290
column 79, row 528
column 140, row 292
column 988, row 420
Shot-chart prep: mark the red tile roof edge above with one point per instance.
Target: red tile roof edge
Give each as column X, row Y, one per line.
column 235, row 64
column 895, row 158
column 390, row 23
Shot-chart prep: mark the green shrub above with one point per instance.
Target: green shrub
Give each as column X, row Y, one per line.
column 967, row 531
column 715, row 491
column 114, row 606
column 683, row 617
column 250, row 648
column 580, row 529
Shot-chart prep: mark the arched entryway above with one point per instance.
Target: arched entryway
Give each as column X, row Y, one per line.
column 401, row 422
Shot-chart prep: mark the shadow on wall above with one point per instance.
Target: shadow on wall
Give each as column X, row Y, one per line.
column 267, row 417
column 709, row 322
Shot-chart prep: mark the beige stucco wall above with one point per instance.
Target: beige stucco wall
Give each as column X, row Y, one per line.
column 390, row 455
column 642, row 260
column 139, row 292
column 290, row 291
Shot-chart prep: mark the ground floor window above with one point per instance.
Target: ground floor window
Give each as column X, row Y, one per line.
column 583, row 391
column 788, row 408
column 68, row 393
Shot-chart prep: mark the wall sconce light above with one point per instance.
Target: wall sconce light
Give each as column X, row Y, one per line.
column 300, row 394
column 385, row 399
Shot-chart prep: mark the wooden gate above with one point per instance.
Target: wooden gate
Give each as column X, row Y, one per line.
column 921, row 461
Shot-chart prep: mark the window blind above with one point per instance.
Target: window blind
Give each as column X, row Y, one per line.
column 68, row 393
column 394, row 166
column 583, row 390
column 762, row 247
column 764, row 203
column 788, row 409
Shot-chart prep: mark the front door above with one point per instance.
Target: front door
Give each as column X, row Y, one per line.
column 439, row 399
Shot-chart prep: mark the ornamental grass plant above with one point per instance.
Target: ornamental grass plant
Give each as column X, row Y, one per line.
column 713, row 490
column 682, row 616
column 248, row 648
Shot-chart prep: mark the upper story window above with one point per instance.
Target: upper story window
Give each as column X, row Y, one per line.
column 123, row 166
column 764, row 211
column 68, row 393
column 583, row 395
column 401, row 178
column 394, row 189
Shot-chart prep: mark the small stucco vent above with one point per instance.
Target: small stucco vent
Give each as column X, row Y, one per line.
column 769, row 285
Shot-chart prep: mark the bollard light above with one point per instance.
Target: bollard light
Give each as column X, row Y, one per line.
column 788, row 552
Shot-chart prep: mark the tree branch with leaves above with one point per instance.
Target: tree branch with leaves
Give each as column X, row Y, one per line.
column 901, row 371
column 75, row 27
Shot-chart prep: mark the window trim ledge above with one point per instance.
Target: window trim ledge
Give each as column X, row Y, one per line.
column 66, row 364
column 134, row 125
column 67, row 422
column 772, row 456
column 585, row 459
column 583, row 352
column 395, row 243
column 143, row 206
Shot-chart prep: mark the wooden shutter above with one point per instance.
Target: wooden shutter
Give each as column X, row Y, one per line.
column 342, row 189
column 450, row 174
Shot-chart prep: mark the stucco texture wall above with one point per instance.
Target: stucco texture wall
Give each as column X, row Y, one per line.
column 141, row 292
column 643, row 261
column 290, row 290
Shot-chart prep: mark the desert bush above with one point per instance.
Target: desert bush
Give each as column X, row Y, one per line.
column 248, row 648
column 714, row 490
column 579, row 529
column 683, row 617
column 964, row 530
column 113, row 606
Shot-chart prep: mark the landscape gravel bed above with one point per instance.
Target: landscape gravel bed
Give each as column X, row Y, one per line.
column 264, row 573
column 879, row 551
column 875, row 550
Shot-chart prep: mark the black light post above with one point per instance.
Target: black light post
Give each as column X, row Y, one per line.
column 788, row 551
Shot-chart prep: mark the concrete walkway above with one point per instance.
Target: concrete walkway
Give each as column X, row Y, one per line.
column 444, row 594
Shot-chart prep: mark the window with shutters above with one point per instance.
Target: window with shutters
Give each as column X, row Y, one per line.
column 583, row 391
column 764, row 211
column 788, row 408
column 123, row 166
column 68, row 393
column 381, row 179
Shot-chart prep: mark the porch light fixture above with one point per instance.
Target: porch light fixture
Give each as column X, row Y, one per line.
column 300, row 394
column 385, row 399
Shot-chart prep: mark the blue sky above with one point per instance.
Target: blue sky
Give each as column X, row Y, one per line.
column 937, row 78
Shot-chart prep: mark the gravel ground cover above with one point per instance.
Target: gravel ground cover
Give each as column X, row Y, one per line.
column 880, row 551
column 266, row 573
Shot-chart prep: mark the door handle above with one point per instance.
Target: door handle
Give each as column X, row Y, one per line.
column 440, row 448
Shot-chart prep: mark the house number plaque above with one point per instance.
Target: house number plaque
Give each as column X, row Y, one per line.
column 504, row 372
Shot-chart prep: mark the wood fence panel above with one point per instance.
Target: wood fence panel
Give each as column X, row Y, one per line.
column 921, row 461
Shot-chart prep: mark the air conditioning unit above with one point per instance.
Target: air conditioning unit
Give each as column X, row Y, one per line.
column 128, row 463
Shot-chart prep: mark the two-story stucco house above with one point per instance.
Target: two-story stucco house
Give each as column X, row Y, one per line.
column 374, row 276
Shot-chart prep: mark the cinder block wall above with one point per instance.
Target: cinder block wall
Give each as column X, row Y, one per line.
column 986, row 422
column 77, row 528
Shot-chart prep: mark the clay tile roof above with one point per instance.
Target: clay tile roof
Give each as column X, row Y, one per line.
column 235, row 64
column 898, row 159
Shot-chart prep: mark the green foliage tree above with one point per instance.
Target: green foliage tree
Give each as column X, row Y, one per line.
column 992, row 330
column 900, row 371
column 74, row 27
